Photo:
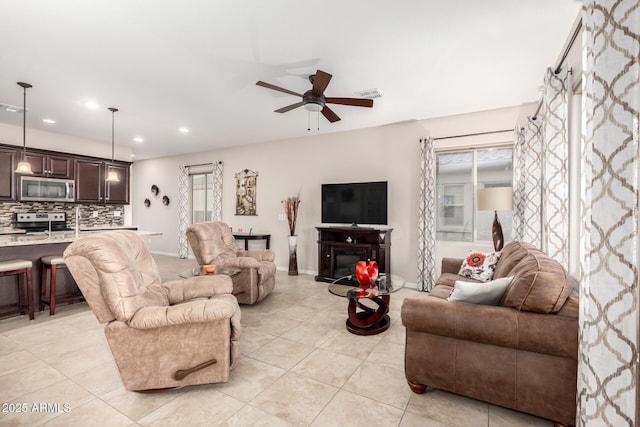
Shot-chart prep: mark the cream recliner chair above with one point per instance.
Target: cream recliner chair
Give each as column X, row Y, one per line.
column 162, row 335
column 213, row 243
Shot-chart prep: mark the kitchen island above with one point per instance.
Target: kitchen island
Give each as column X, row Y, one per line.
column 33, row 246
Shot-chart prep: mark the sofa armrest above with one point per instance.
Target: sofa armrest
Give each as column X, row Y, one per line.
column 451, row 265
column 182, row 290
column 239, row 262
column 501, row 326
column 259, row 254
column 205, row 310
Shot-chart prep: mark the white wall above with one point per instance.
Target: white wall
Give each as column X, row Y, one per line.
column 287, row 167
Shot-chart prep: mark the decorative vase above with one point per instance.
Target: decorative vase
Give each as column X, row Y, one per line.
column 367, row 273
column 293, row 259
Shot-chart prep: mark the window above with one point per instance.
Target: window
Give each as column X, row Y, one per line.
column 458, row 175
column 201, row 193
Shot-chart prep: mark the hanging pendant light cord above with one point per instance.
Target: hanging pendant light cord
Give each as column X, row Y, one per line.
column 24, row 87
column 24, row 123
column 113, row 127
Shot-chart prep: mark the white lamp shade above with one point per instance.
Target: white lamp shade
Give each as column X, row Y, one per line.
column 495, row 199
column 112, row 176
column 24, row 168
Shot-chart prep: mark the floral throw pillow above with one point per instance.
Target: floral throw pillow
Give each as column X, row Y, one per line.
column 480, row 266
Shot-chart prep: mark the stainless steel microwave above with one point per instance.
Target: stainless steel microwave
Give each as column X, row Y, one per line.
column 38, row 189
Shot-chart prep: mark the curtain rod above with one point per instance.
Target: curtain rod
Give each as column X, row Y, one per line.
column 202, row 164
column 563, row 57
column 473, row 134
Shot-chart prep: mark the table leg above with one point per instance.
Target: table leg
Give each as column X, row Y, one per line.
column 369, row 321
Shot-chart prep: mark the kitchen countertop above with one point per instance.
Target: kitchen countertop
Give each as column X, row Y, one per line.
column 11, row 230
column 56, row 237
column 109, row 227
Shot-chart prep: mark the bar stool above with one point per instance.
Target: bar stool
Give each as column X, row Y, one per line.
column 51, row 264
column 20, row 268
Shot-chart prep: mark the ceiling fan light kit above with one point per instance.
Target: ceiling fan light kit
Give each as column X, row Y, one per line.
column 314, row 99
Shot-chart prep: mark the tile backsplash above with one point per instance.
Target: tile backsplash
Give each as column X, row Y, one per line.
column 105, row 213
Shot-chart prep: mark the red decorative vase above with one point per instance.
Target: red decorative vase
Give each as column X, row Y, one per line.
column 367, row 272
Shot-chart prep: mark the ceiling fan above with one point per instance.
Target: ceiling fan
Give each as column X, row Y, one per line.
column 314, row 99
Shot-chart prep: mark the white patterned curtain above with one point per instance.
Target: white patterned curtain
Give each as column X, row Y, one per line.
column 541, row 173
column 183, row 210
column 426, row 216
column 216, row 189
column 527, row 184
column 215, row 201
column 555, row 167
column 608, row 386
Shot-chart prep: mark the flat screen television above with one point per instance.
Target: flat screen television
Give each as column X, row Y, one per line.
column 355, row 203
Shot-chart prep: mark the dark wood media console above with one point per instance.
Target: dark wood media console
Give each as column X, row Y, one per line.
column 340, row 248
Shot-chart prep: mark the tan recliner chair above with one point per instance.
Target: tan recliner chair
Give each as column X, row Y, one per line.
column 213, row 243
column 162, row 335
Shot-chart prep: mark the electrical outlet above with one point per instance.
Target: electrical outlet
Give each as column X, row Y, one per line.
column 282, row 217
column 116, row 214
column 95, row 214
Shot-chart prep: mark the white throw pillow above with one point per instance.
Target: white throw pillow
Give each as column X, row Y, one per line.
column 487, row 293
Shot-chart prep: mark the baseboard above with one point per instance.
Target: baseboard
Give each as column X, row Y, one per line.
column 173, row 254
column 309, row 272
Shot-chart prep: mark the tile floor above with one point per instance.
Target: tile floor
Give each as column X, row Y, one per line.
column 299, row 367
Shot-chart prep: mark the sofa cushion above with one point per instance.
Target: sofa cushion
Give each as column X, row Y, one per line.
column 487, row 293
column 479, row 266
column 540, row 284
column 512, row 254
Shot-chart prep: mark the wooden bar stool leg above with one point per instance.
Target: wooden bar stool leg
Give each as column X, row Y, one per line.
column 32, row 314
column 43, row 285
column 22, row 302
column 52, row 292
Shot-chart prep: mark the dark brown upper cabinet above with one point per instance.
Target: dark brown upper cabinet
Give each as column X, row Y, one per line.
column 52, row 165
column 92, row 185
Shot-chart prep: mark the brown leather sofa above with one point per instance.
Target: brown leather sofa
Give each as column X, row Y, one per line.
column 521, row 354
column 162, row 335
column 213, row 243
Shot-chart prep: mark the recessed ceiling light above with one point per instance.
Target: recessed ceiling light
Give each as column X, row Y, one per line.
column 11, row 109
column 91, row 105
column 132, row 155
column 138, row 139
column 50, row 121
column 183, row 130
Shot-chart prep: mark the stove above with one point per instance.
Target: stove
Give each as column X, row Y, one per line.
column 41, row 221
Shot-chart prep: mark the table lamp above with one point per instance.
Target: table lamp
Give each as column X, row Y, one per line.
column 496, row 199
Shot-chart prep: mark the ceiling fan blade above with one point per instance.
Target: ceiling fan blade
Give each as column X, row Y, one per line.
column 279, row 89
column 330, row 115
column 289, row 107
column 356, row 102
column 320, row 82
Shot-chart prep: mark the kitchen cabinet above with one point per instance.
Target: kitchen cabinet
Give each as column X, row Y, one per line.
column 92, row 185
column 51, row 165
column 8, row 159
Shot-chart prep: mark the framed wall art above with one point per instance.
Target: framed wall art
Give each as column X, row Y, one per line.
column 246, row 181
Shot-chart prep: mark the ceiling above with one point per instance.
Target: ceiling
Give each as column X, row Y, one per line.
column 170, row 64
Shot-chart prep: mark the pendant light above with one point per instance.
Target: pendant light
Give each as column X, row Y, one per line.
column 24, row 167
column 112, row 176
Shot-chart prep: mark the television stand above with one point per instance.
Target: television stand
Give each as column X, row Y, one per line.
column 340, row 249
